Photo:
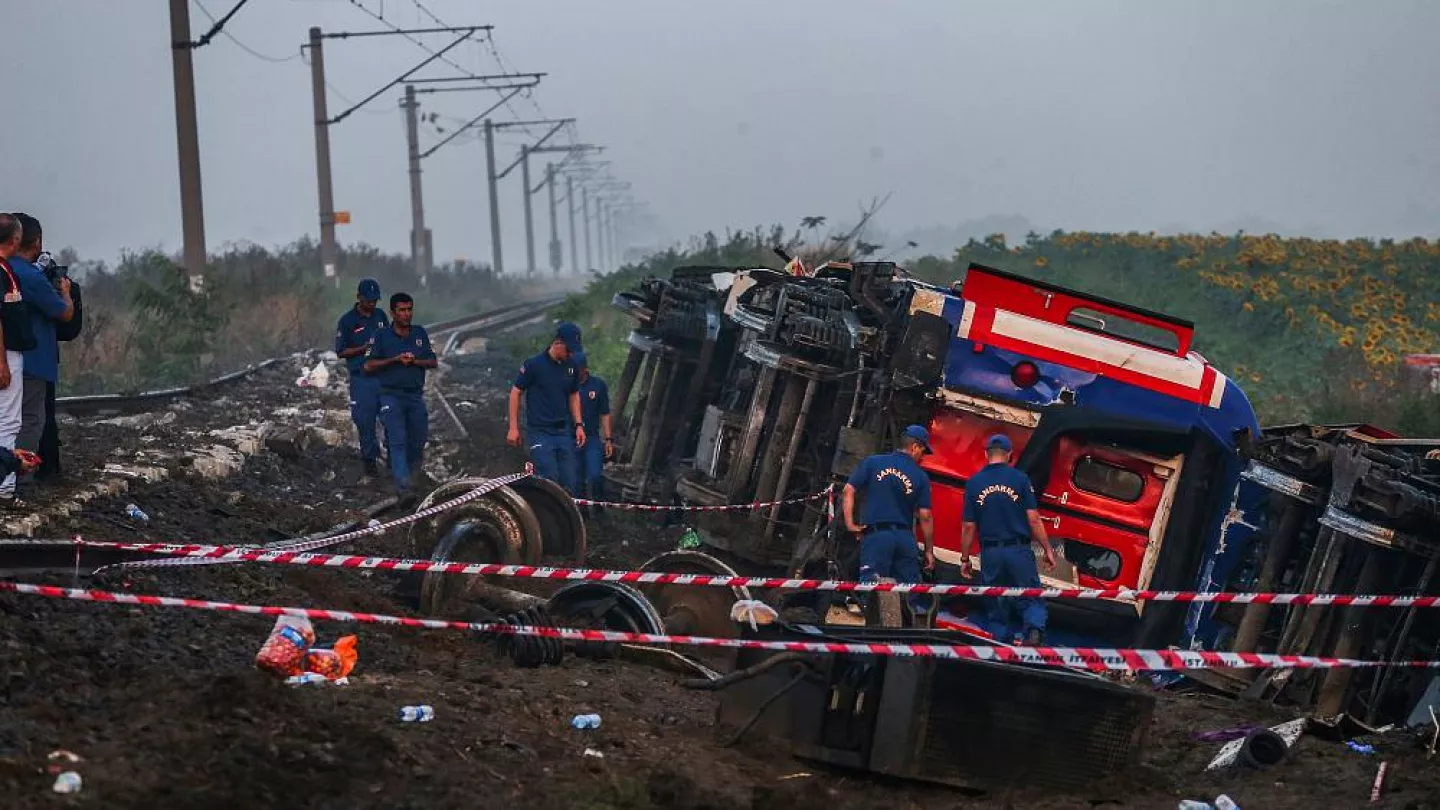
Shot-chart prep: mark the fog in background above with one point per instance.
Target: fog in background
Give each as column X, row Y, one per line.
column 1308, row 116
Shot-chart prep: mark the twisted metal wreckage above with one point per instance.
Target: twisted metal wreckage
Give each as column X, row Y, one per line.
column 748, row 384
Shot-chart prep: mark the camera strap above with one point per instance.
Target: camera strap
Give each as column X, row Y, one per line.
column 12, row 295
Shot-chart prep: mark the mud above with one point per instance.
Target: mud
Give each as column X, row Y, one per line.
column 167, row 710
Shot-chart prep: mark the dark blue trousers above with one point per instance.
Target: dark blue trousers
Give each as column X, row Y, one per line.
column 553, row 454
column 407, row 426
column 1013, row 567
column 365, row 410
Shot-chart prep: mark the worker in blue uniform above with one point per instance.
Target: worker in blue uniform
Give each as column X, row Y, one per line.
column 352, row 337
column 1000, row 509
column 397, row 358
column 547, row 383
column 595, row 413
column 896, row 496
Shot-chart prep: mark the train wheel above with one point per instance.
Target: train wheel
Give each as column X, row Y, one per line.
column 562, row 527
column 695, row 610
column 500, row 527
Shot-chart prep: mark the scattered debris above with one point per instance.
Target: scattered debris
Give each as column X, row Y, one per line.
column 140, row 421
column 147, row 474
column 135, row 513
column 58, row 755
column 314, row 679
column 284, row 651
column 1379, row 780
column 754, row 612
column 317, row 377
column 1360, row 748
column 591, row 752
column 417, row 714
column 1288, row 733
column 334, row 663
column 1227, row 734
column 585, row 721
column 67, row 782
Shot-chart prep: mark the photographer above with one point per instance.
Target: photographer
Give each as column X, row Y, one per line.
column 64, row 332
column 49, row 303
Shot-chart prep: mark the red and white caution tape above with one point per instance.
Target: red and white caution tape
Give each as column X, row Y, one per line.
column 729, row 507
column 292, row 557
column 1096, row 659
column 300, row 546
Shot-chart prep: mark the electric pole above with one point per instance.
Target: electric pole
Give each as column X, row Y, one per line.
column 323, row 122
column 494, row 179
column 322, row 156
column 420, row 245
column 418, row 253
column 585, row 219
column 570, row 205
column 529, row 213
column 187, row 139
column 550, row 170
column 554, row 228
column 497, row 263
column 600, row 252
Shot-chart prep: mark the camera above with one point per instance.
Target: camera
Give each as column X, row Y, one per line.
column 53, row 272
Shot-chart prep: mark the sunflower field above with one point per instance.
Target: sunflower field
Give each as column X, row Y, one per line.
column 1312, row 329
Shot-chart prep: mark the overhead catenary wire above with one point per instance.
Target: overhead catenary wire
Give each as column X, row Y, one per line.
column 218, row 27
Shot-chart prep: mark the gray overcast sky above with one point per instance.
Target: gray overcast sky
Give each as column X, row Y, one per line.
column 1315, row 115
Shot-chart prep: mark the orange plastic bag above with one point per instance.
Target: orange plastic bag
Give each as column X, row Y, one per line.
column 284, row 651
column 334, row 663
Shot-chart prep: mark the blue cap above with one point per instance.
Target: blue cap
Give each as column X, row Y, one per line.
column 578, row 358
column 369, row 289
column 920, row 435
column 999, row 441
column 570, row 333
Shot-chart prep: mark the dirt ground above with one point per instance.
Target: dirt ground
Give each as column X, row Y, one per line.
column 167, row 709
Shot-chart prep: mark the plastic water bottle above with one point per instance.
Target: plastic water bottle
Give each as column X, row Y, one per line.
column 583, row 721
column 1191, row 804
column 67, row 782
column 1223, row 802
column 416, row 714
column 134, row 513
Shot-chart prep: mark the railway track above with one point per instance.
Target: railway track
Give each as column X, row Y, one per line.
column 27, row 557
column 455, row 332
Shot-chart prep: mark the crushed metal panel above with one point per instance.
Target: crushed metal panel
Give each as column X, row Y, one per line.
column 1276, row 481
column 707, row 446
column 1289, row 732
column 990, row 409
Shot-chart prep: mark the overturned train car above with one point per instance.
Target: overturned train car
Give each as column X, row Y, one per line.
column 751, row 385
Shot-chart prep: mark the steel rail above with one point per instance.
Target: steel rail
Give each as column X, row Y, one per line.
column 98, row 404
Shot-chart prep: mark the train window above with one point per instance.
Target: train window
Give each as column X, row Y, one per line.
column 1094, row 561
column 1107, row 323
column 1109, row 480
